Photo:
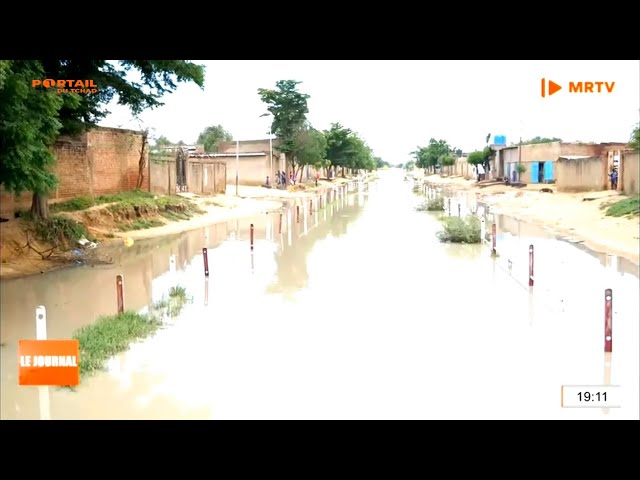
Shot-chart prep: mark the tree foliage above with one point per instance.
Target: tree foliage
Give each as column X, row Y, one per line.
column 309, row 148
column 634, row 141
column 345, row 149
column 212, row 136
column 289, row 109
column 156, row 78
column 163, row 141
column 31, row 118
column 28, row 127
column 381, row 163
column 537, row 140
column 428, row 157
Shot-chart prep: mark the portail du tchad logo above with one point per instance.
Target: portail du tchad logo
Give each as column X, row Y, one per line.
column 49, row 362
column 67, row 86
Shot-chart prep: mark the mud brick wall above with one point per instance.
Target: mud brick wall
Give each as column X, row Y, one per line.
column 100, row 161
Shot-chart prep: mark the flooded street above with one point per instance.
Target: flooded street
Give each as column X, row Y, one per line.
column 355, row 312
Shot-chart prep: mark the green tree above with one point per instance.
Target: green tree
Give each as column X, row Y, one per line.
column 309, row 148
column 481, row 157
column 212, row 136
column 163, row 141
column 634, row 141
column 340, row 147
column 362, row 159
column 74, row 112
column 28, row 127
column 381, row 163
column 427, row 157
column 289, row 109
column 537, row 140
column 447, row 161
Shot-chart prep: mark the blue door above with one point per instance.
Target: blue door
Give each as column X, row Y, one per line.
column 548, row 171
column 535, row 171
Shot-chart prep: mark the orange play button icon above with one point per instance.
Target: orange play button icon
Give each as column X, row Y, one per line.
column 553, row 87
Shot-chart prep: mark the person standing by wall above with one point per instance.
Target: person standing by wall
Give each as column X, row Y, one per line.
column 613, row 177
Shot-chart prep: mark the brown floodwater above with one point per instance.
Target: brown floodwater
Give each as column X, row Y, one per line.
column 355, row 312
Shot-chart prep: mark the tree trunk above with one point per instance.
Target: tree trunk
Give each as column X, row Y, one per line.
column 142, row 164
column 39, row 205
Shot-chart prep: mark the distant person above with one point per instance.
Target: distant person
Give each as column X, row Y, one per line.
column 613, row 176
column 317, row 178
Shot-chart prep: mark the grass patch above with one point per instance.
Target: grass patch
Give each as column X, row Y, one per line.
column 623, row 208
column 460, row 230
column 111, row 335
column 432, row 205
column 140, row 224
column 175, row 216
column 133, row 197
column 73, row 205
column 58, row 230
column 82, row 203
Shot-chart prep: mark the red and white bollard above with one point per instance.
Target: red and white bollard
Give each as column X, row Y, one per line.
column 493, row 239
column 120, row 293
column 251, row 235
column 206, row 261
column 531, row 265
column 608, row 320
column 310, row 205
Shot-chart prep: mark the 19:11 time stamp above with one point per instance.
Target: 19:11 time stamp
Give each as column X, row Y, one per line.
column 590, row 396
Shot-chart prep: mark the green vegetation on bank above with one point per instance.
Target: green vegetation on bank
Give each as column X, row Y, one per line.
column 59, row 231
column 626, row 207
column 460, row 230
column 133, row 210
column 111, row 335
column 432, row 205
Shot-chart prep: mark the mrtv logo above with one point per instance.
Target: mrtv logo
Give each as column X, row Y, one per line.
column 67, row 86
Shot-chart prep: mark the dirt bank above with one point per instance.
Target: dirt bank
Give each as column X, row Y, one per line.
column 580, row 216
column 22, row 253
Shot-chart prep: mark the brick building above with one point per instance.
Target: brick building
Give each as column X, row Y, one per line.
column 99, row 161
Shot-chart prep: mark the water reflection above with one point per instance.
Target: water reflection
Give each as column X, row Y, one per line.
column 291, row 259
column 376, row 303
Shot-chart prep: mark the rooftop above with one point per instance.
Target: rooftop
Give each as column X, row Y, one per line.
column 218, row 155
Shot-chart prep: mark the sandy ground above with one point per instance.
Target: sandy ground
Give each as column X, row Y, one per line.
column 17, row 260
column 580, row 216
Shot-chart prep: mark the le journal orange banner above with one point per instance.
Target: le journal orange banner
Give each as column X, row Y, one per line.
column 49, row 362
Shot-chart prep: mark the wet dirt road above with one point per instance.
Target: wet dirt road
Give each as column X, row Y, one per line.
column 356, row 312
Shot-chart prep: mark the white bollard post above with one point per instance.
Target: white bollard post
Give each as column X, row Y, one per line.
column 41, row 334
column 483, row 230
column 172, row 263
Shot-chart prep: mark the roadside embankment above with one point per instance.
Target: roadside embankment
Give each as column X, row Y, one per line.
column 604, row 221
column 78, row 228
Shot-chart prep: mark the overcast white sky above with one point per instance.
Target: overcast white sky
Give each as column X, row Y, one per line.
column 396, row 105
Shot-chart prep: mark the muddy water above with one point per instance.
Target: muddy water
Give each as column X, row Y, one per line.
column 354, row 312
